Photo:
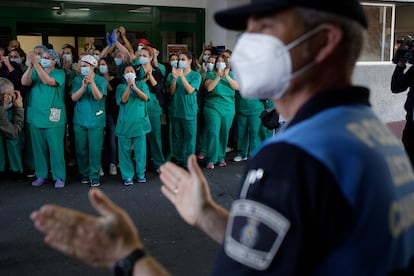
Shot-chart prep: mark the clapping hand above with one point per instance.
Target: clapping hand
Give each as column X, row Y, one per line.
column 96, row 240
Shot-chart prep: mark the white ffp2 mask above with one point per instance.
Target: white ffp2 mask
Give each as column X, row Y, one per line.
column 267, row 75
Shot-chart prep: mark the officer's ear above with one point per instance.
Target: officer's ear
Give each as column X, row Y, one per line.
column 328, row 41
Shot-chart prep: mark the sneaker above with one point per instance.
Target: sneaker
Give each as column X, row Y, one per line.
column 128, row 182
column 39, row 182
column 95, row 183
column 239, row 158
column 85, row 180
column 200, row 156
column 112, row 169
column 210, row 166
column 59, row 183
column 142, row 180
column 30, row 174
column 101, row 172
column 222, row 164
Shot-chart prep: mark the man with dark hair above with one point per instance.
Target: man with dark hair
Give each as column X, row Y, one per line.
column 331, row 194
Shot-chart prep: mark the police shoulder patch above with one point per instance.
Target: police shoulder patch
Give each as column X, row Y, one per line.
column 254, row 233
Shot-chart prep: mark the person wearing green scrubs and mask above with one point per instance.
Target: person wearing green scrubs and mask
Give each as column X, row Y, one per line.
column 46, row 115
column 219, row 110
column 248, row 126
column 154, row 81
column 132, row 126
column 184, row 84
column 89, row 91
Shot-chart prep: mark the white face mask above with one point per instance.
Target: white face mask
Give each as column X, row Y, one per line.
column 273, row 78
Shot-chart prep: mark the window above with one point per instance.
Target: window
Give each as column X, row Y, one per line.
column 379, row 44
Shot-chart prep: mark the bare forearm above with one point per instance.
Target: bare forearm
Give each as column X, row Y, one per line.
column 44, row 77
column 188, row 88
column 78, row 94
column 95, row 92
column 149, row 266
column 214, row 222
column 27, row 76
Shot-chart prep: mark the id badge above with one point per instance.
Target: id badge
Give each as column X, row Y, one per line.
column 55, row 114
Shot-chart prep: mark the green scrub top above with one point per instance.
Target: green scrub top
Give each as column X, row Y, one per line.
column 162, row 69
column 184, row 105
column 89, row 112
column 43, row 97
column 222, row 97
column 248, row 106
column 133, row 118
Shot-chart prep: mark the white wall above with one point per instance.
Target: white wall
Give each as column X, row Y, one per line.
column 377, row 77
column 215, row 33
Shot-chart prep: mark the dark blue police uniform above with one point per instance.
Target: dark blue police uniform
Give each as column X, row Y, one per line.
column 333, row 194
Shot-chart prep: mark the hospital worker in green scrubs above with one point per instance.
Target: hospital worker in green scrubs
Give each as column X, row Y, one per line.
column 154, row 81
column 184, row 83
column 89, row 92
column 132, row 126
column 46, row 115
column 219, row 110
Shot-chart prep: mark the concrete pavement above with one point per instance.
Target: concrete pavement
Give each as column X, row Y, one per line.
column 182, row 249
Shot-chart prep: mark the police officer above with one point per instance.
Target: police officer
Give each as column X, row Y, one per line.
column 329, row 195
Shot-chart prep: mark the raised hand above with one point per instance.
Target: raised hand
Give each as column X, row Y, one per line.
column 96, row 240
column 188, row 191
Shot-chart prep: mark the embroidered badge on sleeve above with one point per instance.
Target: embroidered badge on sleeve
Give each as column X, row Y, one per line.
column 254, row 233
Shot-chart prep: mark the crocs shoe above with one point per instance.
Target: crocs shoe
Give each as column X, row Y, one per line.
column 95, row 182
column 39, row 182
column 128, row 182
column 200, row 156
column 222, row 164
column 59, row 184
column 210, row 166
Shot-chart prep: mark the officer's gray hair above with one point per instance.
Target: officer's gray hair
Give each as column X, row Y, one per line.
column 353, row 32
column 6, row 86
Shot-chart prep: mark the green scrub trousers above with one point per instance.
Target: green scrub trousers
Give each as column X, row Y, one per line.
column 126, row 164
column 184, row 134
column 89, row 144
column 49, row 147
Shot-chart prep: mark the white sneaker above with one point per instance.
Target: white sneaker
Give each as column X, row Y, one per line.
column 112, row 169
column 101, row 172
column 239, row 158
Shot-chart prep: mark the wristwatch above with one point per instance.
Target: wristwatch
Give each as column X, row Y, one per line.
column 123, row 267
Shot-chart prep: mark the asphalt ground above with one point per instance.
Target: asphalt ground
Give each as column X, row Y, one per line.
column 182, row 249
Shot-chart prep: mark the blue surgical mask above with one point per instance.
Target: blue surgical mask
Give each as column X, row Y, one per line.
column 103, row 69
column 182, row 64
column 67, row 57
column 17, row 60
column 85, row 70
column 45, row 63
column 174, row 63
column 210, row 66
column 128, row 76
column 205, row 58
column 143, row 60
column 118, row 61
column 39, row 58
column 96, row 57
column 220, row 65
